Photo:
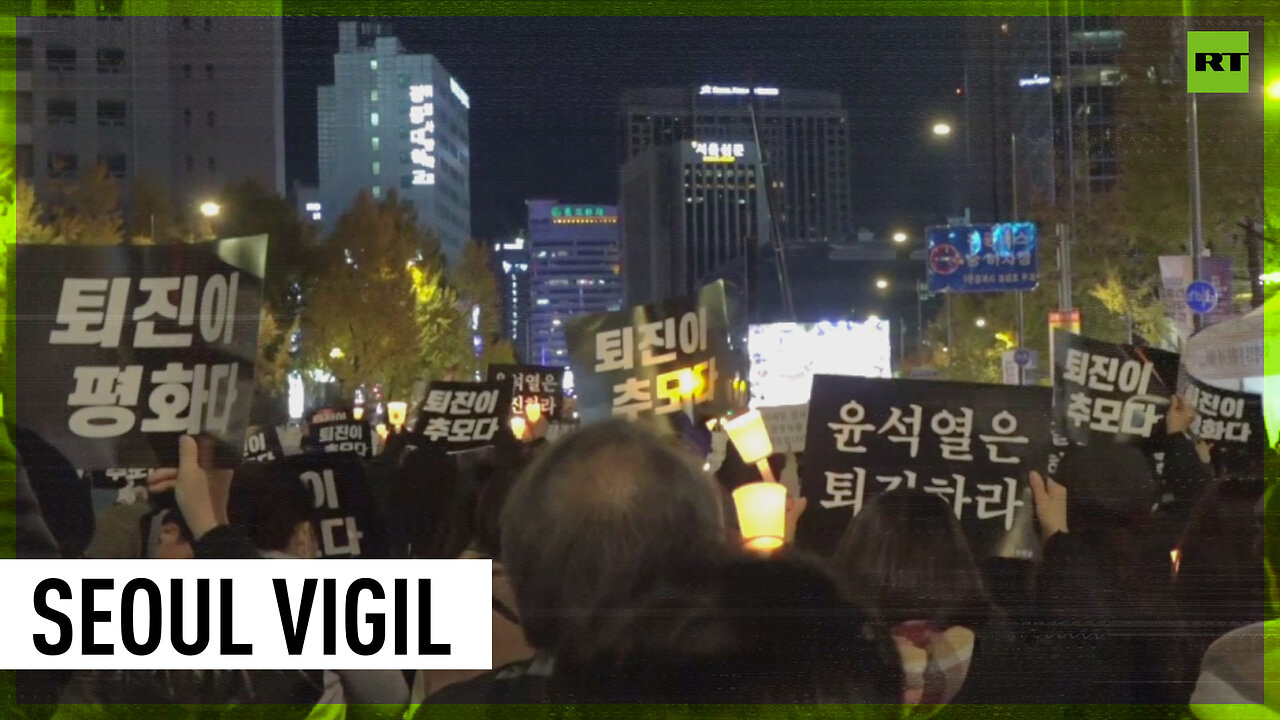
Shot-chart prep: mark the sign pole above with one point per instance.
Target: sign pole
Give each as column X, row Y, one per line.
column 1013, row 148
column 1193, row 150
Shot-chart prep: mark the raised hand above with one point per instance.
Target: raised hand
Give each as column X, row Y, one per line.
column 1051, row 504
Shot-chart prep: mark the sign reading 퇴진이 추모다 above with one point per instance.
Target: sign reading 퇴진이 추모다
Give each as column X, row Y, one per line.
column 1104, row 391
column 530, row 385
column 971, row 445
column 656, row 360
column 341, row 436
column 464, row 416
column 123, row 349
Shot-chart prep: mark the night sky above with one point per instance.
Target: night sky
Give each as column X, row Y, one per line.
column 544, row 97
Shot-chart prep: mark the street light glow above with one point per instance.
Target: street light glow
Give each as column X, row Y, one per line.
column 899, row 237
column 882, row 283
column 980, row 322
column 941, row 129
column 1273, row 89
column 210, row 208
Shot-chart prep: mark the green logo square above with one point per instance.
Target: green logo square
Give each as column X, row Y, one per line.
column 1217, row 62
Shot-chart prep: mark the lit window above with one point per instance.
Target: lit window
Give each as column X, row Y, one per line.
column 376, row 191
column 373, row 64
column 374, row 142
column 377, row 168
column 373, row 95
column 373, row 119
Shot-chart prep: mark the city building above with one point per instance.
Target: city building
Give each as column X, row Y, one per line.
column 574, row 269
column 511, row 266
column 692, row 212
column 804, row 135
column 395, row 121
column 185, row 105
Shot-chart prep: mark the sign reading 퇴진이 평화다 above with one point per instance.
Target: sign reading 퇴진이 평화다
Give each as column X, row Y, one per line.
column 1103, row 391
column 341, row 436
column 532, row 385
column 262, row 444
column 656, row 360
column 346, row 518
column 464, row 416
column 971, row 445
column 123, row 349
column 1224, row 417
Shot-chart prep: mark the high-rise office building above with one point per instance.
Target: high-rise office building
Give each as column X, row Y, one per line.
column 511, row 266
column 574, row 269
column 395, row 121
column 804, row 135
column 183, row 104
column 692, row 212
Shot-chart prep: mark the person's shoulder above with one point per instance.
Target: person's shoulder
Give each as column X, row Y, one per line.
column 523, row 682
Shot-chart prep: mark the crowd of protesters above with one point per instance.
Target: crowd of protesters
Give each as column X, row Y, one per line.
column 618, row 578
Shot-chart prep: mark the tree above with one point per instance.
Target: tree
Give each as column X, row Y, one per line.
column 150, row 212
column 478, row 293
column 84, row 211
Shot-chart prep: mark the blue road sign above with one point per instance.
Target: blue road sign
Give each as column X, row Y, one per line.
column 1202, row 297
column 1022, row 357
column 982, row 258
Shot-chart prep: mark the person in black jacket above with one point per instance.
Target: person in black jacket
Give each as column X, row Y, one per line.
column 905, row 555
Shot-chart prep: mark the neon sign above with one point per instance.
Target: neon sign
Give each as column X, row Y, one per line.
column 734, row 90
column 1033, row 81
column 719, row 152
column 422, row 130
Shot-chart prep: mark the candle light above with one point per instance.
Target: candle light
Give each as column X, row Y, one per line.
column 396, row 414
column 751, row 437
column 358, row 412
column 762, row 514
column 519, row 426
column 533, row 411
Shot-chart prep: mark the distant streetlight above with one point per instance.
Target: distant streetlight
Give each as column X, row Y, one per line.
column 1273, row 90
column 210, row 208
column 336, row 354
column 941, row 129
column 980, row 322
column 882, row 283
column 899, row 237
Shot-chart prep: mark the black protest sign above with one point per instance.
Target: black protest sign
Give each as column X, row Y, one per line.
column 971, row 445
column 1106, row 392
column 118, row 486
column 464, row 416
column 1224, row 417
column 262, row 445
column 530, row 385
column 655, row 360
column 341, row 436
column 346, row 518
column 124, row 349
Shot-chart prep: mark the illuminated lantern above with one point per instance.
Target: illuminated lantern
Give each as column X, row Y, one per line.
column 396, row 414
column 533, row 411
column 519, row 426
column 751, row 437
column 762, row 514
column 358, row 412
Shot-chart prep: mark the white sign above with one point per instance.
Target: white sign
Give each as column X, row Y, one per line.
column 422, row 131
column 787, row 425
column 271, row 615
column 734, row 90
column 459, row 93
column 719, row 152
column 1033, row 81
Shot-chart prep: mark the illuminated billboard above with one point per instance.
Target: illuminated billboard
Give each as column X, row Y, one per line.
column 786, row 356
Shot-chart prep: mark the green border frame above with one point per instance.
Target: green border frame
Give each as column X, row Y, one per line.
column 1269, row 10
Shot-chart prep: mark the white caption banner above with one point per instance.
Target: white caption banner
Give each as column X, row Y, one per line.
column 363, row 614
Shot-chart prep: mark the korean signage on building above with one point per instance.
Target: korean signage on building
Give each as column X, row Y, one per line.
column 719, row 152
column 422, row 133
column 656, row 360
column 982, row 258
column 971, row 445
column 565, row 211
column 124, row 349
column 1104, row 391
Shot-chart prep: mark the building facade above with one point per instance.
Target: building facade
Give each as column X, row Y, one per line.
column 185, row 105
column 395, row 121
column 574, row 269
column 692, row 212
column 511, row 266
column 804, row 136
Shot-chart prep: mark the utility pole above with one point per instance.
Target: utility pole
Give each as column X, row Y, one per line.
column 1022, row 342
column 1197, row 219
column 779, row 249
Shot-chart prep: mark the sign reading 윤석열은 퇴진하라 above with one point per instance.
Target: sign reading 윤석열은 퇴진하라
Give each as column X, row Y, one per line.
column 532, row 385
column 971, row 445
column 1104, row 392
column 124, row 349
column 656, row 360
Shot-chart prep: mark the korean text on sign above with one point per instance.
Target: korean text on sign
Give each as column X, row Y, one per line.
column 1135, row 415
column 1219, row 416
column 467, row 415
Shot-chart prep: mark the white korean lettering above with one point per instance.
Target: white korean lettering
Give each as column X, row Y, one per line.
column 614, row 350
column 1135, row 376
column 1102, row 373
column 1004, row 424
column 91, row 312
column 955, row 432
column 217, row 308
column 1080, row 409
column 906, row 427
column 158, row 304
column 437, row 401
column 632, row 397
column 848, row 434
column 995, row 495
column 845, row 490
column 329, row 529
column 104, row 396
column 942, row 486
column 1076, row 367
column 895, row 481
column 651, row 336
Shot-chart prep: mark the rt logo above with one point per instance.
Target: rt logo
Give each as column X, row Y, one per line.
column 1217, row 62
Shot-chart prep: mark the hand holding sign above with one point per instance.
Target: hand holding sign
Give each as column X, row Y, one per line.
column 1051, row 505
column 201, row 492
column 1181, row 415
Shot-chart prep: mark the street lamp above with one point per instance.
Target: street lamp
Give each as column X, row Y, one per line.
column 882, row 283
column 980, row 322
column 210, row 208
column 941, row 129
column 899, row 237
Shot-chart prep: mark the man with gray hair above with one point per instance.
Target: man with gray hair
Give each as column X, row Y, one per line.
column 594, row 519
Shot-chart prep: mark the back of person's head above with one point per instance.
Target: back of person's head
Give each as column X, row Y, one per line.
column 732, row 630
column 493, row 497
column 275, row 510
column 1111, row 489
column 595, row 513
column 906, row 555
column 66, row 501
column 439, row 504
